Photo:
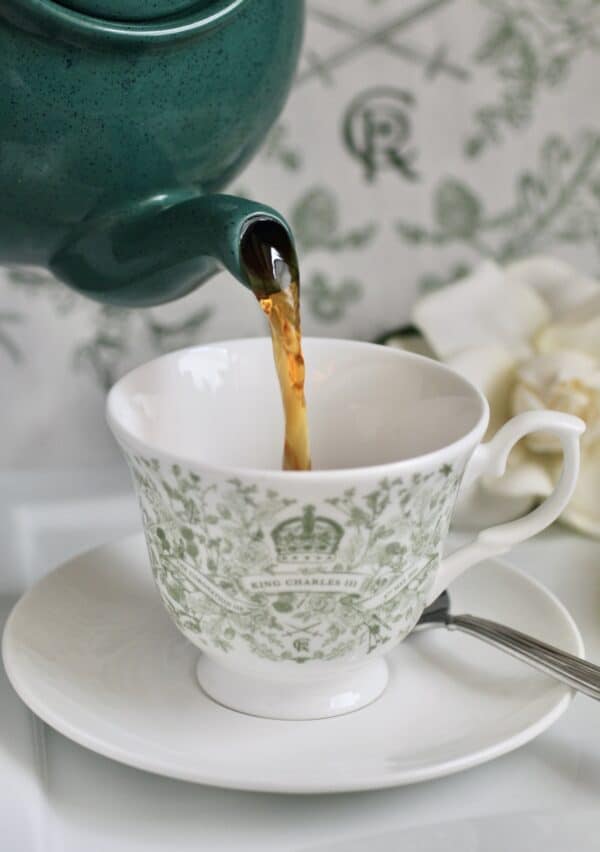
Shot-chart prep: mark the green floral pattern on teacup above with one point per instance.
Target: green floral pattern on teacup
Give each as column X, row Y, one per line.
column 243, row 568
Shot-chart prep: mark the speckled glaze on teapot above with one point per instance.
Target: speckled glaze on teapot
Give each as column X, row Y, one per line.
column 120, row 122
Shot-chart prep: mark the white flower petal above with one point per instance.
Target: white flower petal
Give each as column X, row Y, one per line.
column 527, row 475
column 560, row 381
column 560, row 286
column 481, row 309
column 477, row 508
column 525, row 399
column 536, row 476
column 543, row 371
column 492, row 370
column 581, row 522
column 583, row 512
column 581, row 332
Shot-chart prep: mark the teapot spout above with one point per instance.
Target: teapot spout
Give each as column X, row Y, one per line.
column 165, row 247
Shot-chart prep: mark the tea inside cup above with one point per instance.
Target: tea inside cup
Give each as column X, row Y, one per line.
column 220, row 405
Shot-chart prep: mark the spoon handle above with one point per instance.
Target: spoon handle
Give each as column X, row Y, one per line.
column 573, row 671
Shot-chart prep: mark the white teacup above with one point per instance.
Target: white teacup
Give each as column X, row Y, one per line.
column 296, row 585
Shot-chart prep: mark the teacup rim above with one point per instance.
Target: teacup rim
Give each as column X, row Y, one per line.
column 461, row 445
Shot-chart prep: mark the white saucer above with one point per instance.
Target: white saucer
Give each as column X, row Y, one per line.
column 91, row 650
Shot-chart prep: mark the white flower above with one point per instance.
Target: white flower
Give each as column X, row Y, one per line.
column 528, row 335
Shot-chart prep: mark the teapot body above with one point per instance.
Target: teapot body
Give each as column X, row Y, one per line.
column 100, row 116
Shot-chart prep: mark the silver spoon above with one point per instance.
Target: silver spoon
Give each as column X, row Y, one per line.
column 573, row 671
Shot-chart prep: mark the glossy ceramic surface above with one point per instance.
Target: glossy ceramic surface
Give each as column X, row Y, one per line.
column 135, row 10
column 90, row 650
column 295, row 585
column 106, row 125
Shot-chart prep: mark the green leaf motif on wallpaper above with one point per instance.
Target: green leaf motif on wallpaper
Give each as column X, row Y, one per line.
column 115, row 335
column 531, row 45
column 102, row 353
column 38, row 283
column 315, row 220
column 278, row 147
column 557, row 202
column 329, row 302
column 8, row 339
column 435, row 281
column 27, row 275
column 169, row 336
column 108, row 349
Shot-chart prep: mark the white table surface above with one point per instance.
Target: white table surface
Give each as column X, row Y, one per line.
column 57, row 797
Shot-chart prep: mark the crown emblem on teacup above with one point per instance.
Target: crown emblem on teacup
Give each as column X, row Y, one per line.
column 310, row 538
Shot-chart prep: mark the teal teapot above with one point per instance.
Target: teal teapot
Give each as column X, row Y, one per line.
column 121, row 121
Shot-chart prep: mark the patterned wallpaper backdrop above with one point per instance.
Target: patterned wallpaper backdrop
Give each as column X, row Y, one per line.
column 421, row 135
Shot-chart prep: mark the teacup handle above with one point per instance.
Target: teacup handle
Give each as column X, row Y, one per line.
column 490, row 460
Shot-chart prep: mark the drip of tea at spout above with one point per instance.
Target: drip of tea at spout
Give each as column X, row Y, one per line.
column 272, row 268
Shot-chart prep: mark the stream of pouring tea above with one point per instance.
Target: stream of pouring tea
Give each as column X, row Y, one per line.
column 272, row 267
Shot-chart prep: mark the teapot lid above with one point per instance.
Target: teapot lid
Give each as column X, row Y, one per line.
column 136, row 11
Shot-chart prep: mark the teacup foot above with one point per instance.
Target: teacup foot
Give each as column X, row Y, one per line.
column 303, row 700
